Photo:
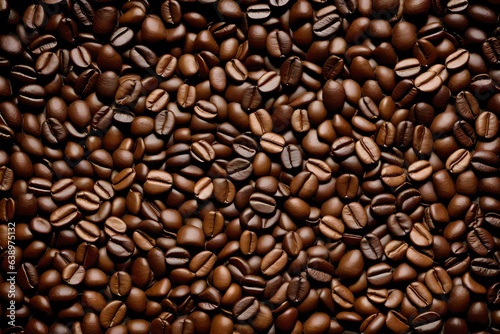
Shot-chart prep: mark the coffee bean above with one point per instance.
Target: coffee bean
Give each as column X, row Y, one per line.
column 327, row 25
column 428, row 82
column 278, row 43
column 459, row 161
column 487, row 125
column 467, row 106
column 367, row 150
column 457, row 60
column 112, row 314
column 490, row 50
column 245, row 308
column 291, row 72
column 298, row 289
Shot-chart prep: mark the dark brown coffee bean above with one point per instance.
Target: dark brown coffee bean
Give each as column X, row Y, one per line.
column 274, row 262
column 420, row 235
column 487, row 125
column 485, row 162
column 62, row 293
column 347, row 186
column 291, row 72
column 120, row 246
column 490, row 50
column 65, row 215
column 464, row 134
column 438, row 281
column 236, row 70
column 342, row 147
column 278, row 43
column 418, row 294
column 298, row 289
column 260, row 122
column 157, row 182
column 404, row 92
column 480, row 241
column 367, row 150
column 87, row 231
column 342, row 295
column 428, row 82
column 87, row 201
column 467, row 106
column 245, row 308
column 327, row 25
column 371, row 247
column 123, row 179
column 458, row 161
column 408, row 68
column 112, row 314
column 457, row 60
column 354, row 216
column 383, row 204
column 351, row 265
column 320, row 270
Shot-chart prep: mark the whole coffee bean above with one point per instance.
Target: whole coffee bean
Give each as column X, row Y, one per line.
column 87, row 231
column 420, row 235
column 354, row 216
column 420, row 170
column 487, row 125
column 157, row 182
column 458, row 161
column 418, row 294
column 291, row 71
column 438, row 281
column 123, row 179
column 457, row 60
column 112, row 314
column 331, row 227
column 383, row 204
column 298, row 289
column 87, row 201
column 327, row 24
column 236, row 70
column 274, row 262
column 367, row 150
column 428, row 82
column 320, row 270
column 351, row 265
column 379, row 274
column 62, row 293
column 408, row 68
column 464, row 134
column 467, row 106
column 65, row 215
column 245, row 308
column 490, row 50
column 371, row 247
column 120, row 246
column 342, row 295
column 480, row 241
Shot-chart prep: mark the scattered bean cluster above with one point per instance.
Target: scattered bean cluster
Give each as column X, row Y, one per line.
column 250, row 166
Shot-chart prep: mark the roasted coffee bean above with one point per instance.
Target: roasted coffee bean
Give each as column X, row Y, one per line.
column 327, row 25
column 467, row 106
column 371, row 247
column 367, row 150
column 487, row 125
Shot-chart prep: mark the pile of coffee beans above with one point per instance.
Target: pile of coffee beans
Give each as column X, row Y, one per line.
column 249, row 166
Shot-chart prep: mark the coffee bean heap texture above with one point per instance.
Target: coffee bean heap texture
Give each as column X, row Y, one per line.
column 249, row 166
